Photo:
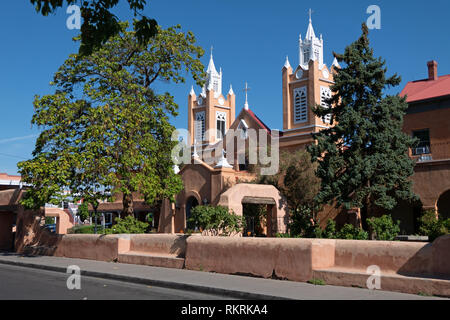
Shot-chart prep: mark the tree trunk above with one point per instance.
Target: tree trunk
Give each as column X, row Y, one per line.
column 128, row 205
column 95, row 219
column 365, row 214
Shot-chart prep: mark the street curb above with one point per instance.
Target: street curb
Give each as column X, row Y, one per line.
column 157, row 283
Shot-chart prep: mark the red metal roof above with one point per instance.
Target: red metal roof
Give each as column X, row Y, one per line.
column 427, row 89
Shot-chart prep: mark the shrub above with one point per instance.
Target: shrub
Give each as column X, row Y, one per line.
column 432, row 227
column 128, row 225
column 84, row 229
column 83, row 211
column 283, row 235
column 349, row 232
column 329, row 232
column 49, row 220
column 217, row 220
column 303, row 225
column 383, row 228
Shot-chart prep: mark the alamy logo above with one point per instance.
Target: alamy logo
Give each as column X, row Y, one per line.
column 74, row 280
column 74, row 20
column 374, row 21
column 374, row 281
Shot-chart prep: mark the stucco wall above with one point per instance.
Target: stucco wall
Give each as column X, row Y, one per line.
column 233, row 197
column 292, row 259
column 158, row 243
column 390, row 256
column 64, row 219
column 431, row 180
column 295, row 259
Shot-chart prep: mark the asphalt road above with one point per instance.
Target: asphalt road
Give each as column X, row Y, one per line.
column 32, row 284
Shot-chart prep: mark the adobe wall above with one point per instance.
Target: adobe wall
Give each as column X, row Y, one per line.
column 158, row 243
column 292, row 259
column 296, row 259
column 390, row 256
column 64, row 221
column 431, row 180
column 233, row 197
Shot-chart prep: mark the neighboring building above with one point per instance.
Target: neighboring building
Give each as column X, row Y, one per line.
column 428, row 119
column 9, row 181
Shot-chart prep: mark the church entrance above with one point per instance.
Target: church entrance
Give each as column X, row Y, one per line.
column 443, row 205
column 191, row 203
column 255, row 216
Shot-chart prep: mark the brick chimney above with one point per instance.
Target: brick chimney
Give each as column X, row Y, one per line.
column 432, row 70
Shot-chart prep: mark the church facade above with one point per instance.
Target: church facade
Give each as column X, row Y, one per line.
column 213, row 124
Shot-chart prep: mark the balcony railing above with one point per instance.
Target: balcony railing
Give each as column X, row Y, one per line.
column 434, row 151
column 421, row 150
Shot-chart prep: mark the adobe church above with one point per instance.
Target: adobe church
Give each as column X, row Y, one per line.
column 212, row 115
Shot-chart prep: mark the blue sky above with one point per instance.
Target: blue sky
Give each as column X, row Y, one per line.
column 251, row 40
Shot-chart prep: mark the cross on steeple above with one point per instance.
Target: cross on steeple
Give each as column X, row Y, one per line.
column 246, row 100
column 310, row 14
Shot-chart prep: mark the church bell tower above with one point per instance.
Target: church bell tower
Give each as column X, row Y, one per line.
column 210, row 114
column 305, row 86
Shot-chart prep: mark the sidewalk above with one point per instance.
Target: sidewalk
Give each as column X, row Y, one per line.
column 229, row 285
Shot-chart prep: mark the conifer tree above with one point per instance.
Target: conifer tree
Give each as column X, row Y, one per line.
column 363, row 158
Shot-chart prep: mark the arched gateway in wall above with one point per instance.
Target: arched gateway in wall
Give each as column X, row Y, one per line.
column 239, row 194
column 443, row 205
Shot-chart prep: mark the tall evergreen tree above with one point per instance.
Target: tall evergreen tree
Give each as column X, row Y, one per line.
column 363, row 159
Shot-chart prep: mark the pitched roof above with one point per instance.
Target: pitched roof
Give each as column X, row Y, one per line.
column 427, row 89
column 258, row 120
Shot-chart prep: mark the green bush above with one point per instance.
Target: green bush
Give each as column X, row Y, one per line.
column 85, row 229
column 349, row 232
column 303, row 225
column 383, row 228
column 329, row 232
column 432, row 227
column 283, row 235
column 83, row 211
column 286, row 235
column 49, row 220
column 128, row 225
column 217, row 220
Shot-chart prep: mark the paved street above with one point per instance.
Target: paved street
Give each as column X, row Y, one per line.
column 26, row 283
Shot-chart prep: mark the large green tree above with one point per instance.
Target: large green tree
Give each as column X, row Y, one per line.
column 105, row 130
column 363, row 159
column 99, row 23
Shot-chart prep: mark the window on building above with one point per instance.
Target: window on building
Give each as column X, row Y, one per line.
column 221, row 119
column 306, row 55
column 200, row 126
column 243, row 129
column 325, row 93
column 316, row 54
column 424, row 145
column 300, row 105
